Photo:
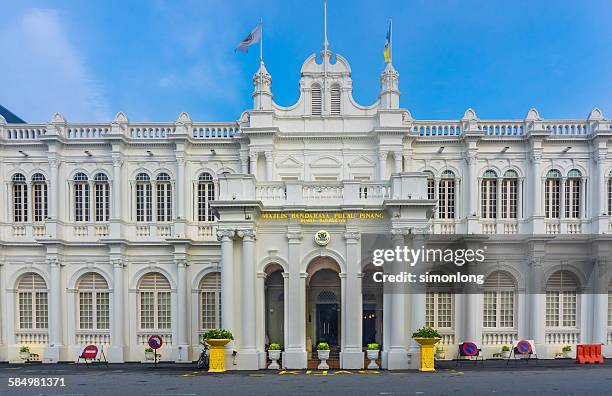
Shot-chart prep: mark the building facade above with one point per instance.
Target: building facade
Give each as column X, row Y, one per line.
column 110, row 233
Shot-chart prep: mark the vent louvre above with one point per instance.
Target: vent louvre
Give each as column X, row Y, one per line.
column 211, row 281
column 31, row 281
column 316, row 100
column 154, row 281
column 91, row 281
column 335, row 100
column 499, row 280
column 562, row 280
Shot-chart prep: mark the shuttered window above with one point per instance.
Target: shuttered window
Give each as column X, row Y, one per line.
column 20, row 199
column 499, row 300
column 561, row 300
column 39, row 196
column 335, row 100
column 155, row 304
column 206, row 194
column 316, row 100
column 210, row 301
column 93, row 302
column 32, row 302
column 489, row 195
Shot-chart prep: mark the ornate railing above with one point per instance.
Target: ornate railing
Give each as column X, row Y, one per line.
column 562, row 336
column 322, row 192
column 142, row 337
column 498, row 337
column 31, row 337
column 566, row 127
column 437, row 128
column 502, row 128
column 92, row 338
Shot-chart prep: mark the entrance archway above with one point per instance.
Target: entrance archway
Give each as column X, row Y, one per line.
column 323, row 305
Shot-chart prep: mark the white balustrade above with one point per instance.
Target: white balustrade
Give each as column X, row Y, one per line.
column 447, row 337
column 437, row 128
column 32, row 337
column 214, row 131
column 153, row 131
column 93, row 338
column 499, row 337
column 142, row 337
column 30, row 132
column 206, row 230
column 101, row 230
column 510, row 228
column 553, row 228
column 164, row 230
column 501, row 128
column 19, row 231
column 488, row 227
column 566, row 127
column 143, row 230
column 39, row 230
column 561, row 336
column 574, row 228
column 87, row 131
column 80, row 230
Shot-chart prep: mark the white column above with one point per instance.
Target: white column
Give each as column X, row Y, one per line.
column 600, row 302
column 295, row 307
column 53, row 188
column 182, row 292
column 115, row 354
column 52, row 352
column 538, row 306
column 351, row 356
column 269, row 164
column 244, row 161
column 536, row 185
column 253, row 161
column 397, row 156
column 519, row 198
column 116, row 190
column 227, row 278
column 260, row 306
column 180, row 194
column 247, row 355
column 562, row 202
column 472, row 189
column 382, row 164
column 601, row 184
column 583, row 214
column 397, row 356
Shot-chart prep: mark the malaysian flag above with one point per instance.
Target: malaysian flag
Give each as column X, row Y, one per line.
column 253, row 38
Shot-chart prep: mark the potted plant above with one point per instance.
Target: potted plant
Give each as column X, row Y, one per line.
column 323, row 354
column 149, row 354
column 373, row 351
column 427, row 337
column 440, row 353
column 567, row 349
column 505, row 351
column 274, row 351
column 24, row 352
column 217, row 339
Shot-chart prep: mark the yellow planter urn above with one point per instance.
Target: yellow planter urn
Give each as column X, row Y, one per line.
column 427, row 352
column 217, row 355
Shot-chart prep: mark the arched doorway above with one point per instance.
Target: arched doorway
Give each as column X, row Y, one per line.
column 323, row 299
column 275, row 305
column 372, row 300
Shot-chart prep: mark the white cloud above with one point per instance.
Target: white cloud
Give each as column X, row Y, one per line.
column 42, row 71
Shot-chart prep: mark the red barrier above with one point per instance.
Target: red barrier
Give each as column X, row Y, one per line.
column 589, row 353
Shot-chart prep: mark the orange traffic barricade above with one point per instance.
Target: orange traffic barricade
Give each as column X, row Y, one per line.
column 589, row 353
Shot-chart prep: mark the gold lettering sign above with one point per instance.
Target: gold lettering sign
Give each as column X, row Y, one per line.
column 338, row 217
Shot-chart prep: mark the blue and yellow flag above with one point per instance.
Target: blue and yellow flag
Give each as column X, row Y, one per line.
column 387, row 50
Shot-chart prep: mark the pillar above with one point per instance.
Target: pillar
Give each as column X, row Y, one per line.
column 397, row 356
column 269, row 164
column 182, row 293
column 295, row 307
column 536, row 185
column 115, row 353
column 247, row 355
column 397, row 156
column 227, row 287
column 538, row 307
column 600, row 303
column 51, row 353
column 382, row 164
column 351, row 356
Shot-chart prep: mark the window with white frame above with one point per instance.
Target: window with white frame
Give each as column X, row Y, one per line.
column 154, row 302
column 431, row 185
column 561, row 300
column 81, row 197
column 489, row 195
column 335, row 99
column 572, row 194
column 20, row 199
column 551, row 194
column 499, row 300
column 93, row 302
column 144, row 204
column 164, row 198
column 446, row 195
column 210, row 301
column 39, row 198
column 206, row 194
column 32, row 302
column 509, row 195
column 101, row 197
column 315, row 93
column 439, row 306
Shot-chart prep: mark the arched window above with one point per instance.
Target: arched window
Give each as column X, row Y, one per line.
column 335, row 99
column 509, row 195
column 206, row 194
column 561, row 300
column 39, row 194
column 210, row 301
column 431, row 185
column 20, row 199
column 572, row 194
column 93, row 302
column 438, row 306
column 144, row 205
column 551, row 194
column 81, row 197
column 101, row 197
column 489, row 195
column 164, row 197
column 32, row 301
column 315, row 92
column 154, row 301
column 499, row 299
column 446, row 195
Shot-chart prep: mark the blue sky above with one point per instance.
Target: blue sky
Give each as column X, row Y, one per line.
column 154, row 59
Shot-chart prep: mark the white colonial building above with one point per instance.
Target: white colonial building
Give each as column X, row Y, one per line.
column 109, row 232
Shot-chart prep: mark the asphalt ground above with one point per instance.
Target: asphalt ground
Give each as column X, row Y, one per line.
column 557, row 377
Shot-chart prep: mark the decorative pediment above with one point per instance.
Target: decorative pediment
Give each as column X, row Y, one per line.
column 361, row 162
column 326, row 162
column 289, row 162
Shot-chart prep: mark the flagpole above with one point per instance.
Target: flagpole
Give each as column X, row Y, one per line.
column 261, row 63
column 261, row 41
column 390, row 40
column 325, row 45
